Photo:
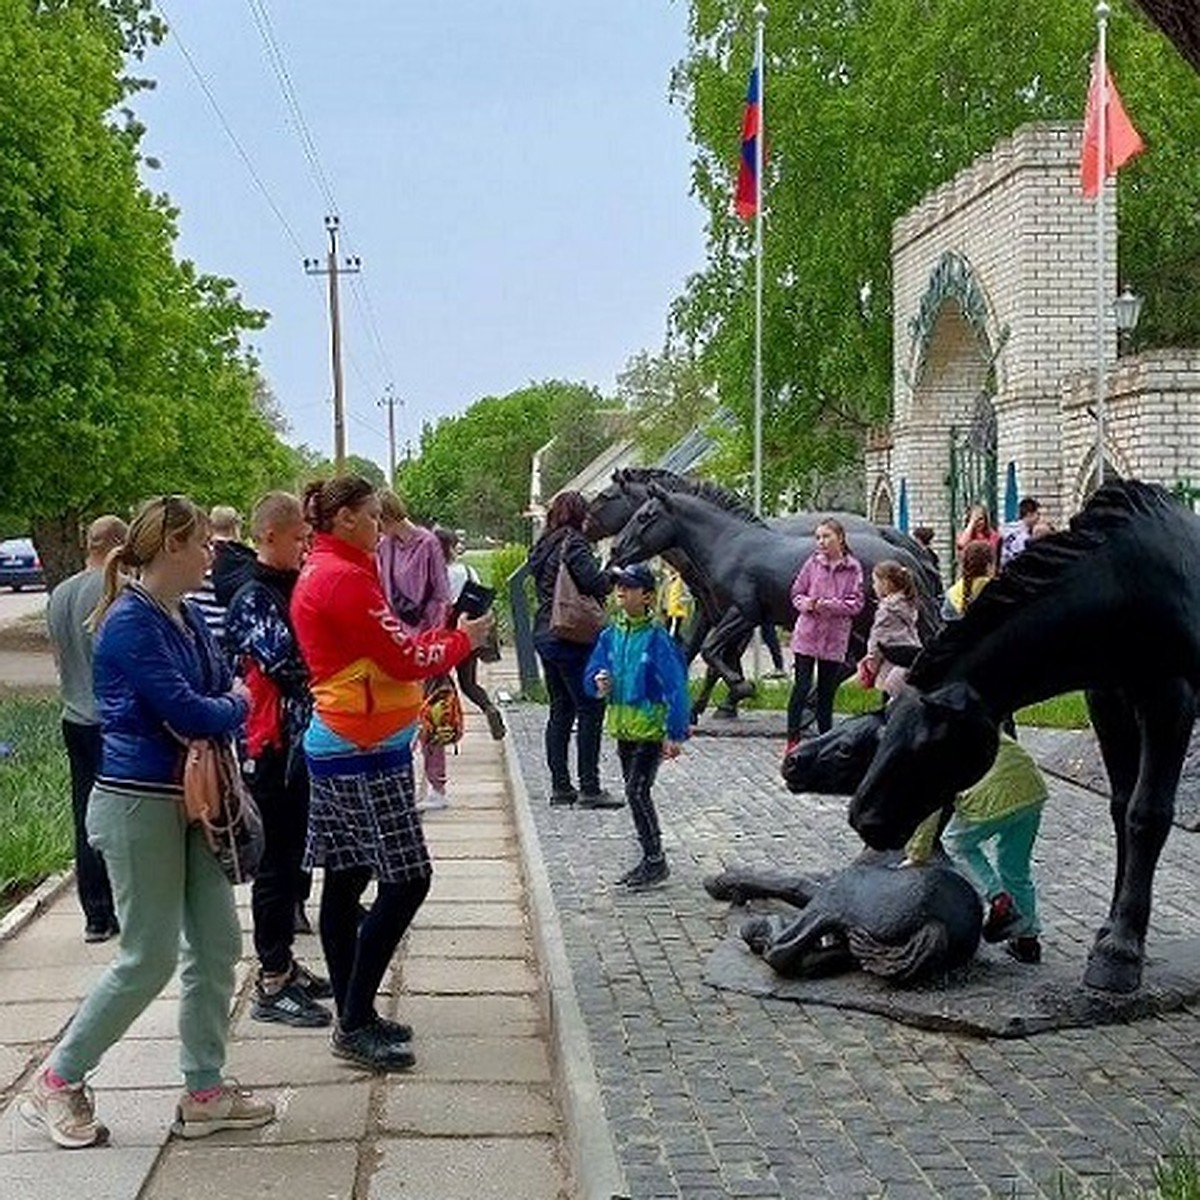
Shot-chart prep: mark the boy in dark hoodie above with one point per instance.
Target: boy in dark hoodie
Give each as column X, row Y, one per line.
column 261, row 641
column 637, row 666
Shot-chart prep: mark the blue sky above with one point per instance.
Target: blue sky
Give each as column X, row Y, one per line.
column 510, row 172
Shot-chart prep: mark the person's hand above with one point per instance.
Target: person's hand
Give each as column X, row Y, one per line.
column 603, row 682
column 671, row 749
column 477, row 629
column 808, row 604
column 240, row 691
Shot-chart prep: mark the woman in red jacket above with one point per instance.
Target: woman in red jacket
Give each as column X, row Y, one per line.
column 363, row 822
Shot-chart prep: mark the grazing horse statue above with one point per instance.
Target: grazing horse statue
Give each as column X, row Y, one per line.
column 1112, row 606
column 905, row 925
column 610, row 511
column 750, row 568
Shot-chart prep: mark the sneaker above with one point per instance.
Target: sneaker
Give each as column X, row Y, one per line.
column 495, row 720
column 1025, row 949
column 289, row 1005
column 561, row 796
column 232, row 1107
column 300, row 922
column 394, row 1029
column 648, row 873
column 372, row 1046
column 600, row 799
column 434, row 799
column 67, row 1114
column 313, row 986
column 1003, row 919
column 102, row 931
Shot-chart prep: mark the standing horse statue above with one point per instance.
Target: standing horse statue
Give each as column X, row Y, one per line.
column 612, row 509
column 750, row 568
column 1111, row 606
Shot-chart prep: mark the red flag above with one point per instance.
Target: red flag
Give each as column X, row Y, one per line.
column 1121, row 140
column 745, row 200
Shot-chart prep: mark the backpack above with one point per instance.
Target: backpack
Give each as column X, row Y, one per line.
column 441, row 712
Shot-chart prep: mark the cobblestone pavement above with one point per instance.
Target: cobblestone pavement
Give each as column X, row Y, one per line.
column 712, row 1093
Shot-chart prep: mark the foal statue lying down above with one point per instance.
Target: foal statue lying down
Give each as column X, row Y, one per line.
column 903, row 924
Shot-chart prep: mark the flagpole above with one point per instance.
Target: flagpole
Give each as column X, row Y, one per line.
column 760, row 17
column 1101, row 86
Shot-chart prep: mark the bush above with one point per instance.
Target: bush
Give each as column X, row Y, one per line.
column 504, row 562
column 36, row 832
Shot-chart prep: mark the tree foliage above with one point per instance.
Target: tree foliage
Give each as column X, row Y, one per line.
column 869, row 105
column 473, row 470
column 122, row 372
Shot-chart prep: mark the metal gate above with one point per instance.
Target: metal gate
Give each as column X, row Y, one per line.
column 973, row 466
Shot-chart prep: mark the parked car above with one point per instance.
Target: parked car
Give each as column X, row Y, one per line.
column 20, row 566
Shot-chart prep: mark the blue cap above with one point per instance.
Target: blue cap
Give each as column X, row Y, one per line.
column 636, row 575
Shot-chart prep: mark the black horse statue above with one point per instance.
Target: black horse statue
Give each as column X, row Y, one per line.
column 750, row 568
column 905, row 925
column 610, row 511
column 1112, row 606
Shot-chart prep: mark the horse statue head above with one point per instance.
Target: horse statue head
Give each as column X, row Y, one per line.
column 610, row 509
column 834, row 763
column 649, row 532
column 931, row 747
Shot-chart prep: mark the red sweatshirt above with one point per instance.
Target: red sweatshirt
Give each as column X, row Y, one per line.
column 364, row 666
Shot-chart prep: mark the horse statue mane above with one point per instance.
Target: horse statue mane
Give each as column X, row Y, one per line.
column 1116, row 508
column 704, row 489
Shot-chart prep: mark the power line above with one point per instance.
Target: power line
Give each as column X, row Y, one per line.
column 237, row 145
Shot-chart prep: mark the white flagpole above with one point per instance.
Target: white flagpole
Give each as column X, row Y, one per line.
column 760, row 17
column 1101, row 86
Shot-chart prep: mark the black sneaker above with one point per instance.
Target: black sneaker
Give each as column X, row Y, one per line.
column 290, row 1005
column 495, row 720
column 313, row 986
column 1025, row 949
column 394, row 1029
column 600, row 799
column 373, row 1047
column 101, row 931
column 300, row 922
column 562, row 796
column 1003, row 919
column 646, row 874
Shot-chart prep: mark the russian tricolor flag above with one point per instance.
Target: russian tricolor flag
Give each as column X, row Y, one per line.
column 745, row 201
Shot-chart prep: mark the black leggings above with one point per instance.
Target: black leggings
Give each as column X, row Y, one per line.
column 639, row 765
column 470, row 686
column 359, row 948
column 828, row 677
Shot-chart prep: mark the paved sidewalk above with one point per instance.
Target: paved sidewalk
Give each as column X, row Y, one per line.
column 476, row 1118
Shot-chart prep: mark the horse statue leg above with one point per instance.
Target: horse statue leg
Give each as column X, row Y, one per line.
column 727, row 709
column 739, row 884
column 1164, row 719
column 723, row 647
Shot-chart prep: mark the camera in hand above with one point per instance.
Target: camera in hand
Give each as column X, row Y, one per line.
column 474, row 600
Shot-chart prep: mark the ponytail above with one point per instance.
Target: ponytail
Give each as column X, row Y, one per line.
column 977, row 562
column 323, row 498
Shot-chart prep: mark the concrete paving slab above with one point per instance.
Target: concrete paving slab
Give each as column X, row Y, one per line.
column 14, row 1062
column 448, row 889
column 160, row 1020
column 35, row 1020
column 443, row 827
column 68, row 981
column 105, row 1173
column 325, row 1112
column 485, row 848
column 279, row 1062
column 51, row 946
column 141, row 1118
column 217, row 1172
column 416, row 1106
column 464, row 976
column 464, row 943
column 478, row 868
column 441, row 1169
column 455, row 1016
column 140, row 1063
column 461, row 915
column 484, row 1059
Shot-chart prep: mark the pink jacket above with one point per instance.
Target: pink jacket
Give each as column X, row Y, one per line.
column 838, row 589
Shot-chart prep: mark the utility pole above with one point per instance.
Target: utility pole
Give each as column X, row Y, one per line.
column 333, row 268
column 389, row 402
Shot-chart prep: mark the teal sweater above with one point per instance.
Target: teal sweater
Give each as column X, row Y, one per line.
column 649, row 699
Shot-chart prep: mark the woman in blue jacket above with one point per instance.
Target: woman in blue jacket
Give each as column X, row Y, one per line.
column 158, row 678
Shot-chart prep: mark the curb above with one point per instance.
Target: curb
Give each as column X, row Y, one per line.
column 594, row 1163
column 35, row 903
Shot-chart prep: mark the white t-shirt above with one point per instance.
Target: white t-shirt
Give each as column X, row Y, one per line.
column 459, row 573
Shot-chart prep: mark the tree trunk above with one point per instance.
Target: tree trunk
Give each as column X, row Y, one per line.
column 58, row 545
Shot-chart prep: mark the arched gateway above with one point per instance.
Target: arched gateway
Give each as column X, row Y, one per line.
column 994, row 284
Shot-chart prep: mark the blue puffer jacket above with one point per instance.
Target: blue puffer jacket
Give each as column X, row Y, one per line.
column 149, row 673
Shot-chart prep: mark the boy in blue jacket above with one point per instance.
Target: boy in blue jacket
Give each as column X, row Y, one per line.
column 637, row 667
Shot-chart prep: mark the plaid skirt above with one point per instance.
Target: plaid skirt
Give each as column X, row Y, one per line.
column 367, row 820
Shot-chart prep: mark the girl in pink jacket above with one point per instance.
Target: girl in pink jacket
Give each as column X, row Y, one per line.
column 827, row 594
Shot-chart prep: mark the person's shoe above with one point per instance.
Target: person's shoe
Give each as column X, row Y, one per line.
column 1003, row 919
column 435, row 799
column 313, row 986
column 563, row 796
column 232, row 1107
column 600, row 799
column 372, row 1046
column 648, row 873
column 1025, row 949
column 300, row 922
column 496, row 726
column 101, row 931
column 394, row 1029
column 289, row 1005
column 67, row 1114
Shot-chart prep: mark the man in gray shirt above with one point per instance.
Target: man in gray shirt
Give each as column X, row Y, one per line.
column 70, row 605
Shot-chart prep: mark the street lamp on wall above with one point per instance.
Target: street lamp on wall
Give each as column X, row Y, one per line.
column 1127, row 308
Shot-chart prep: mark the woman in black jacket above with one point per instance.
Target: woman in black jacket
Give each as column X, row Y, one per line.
column 562, row 661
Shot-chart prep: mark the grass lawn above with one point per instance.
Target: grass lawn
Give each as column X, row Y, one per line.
column 36, row 836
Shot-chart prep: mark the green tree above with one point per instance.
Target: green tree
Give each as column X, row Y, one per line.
column 370, row 470
column 861, row 123
column 665, row 397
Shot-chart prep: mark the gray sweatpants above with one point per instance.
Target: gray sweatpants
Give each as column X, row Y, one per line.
column 168, row 886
